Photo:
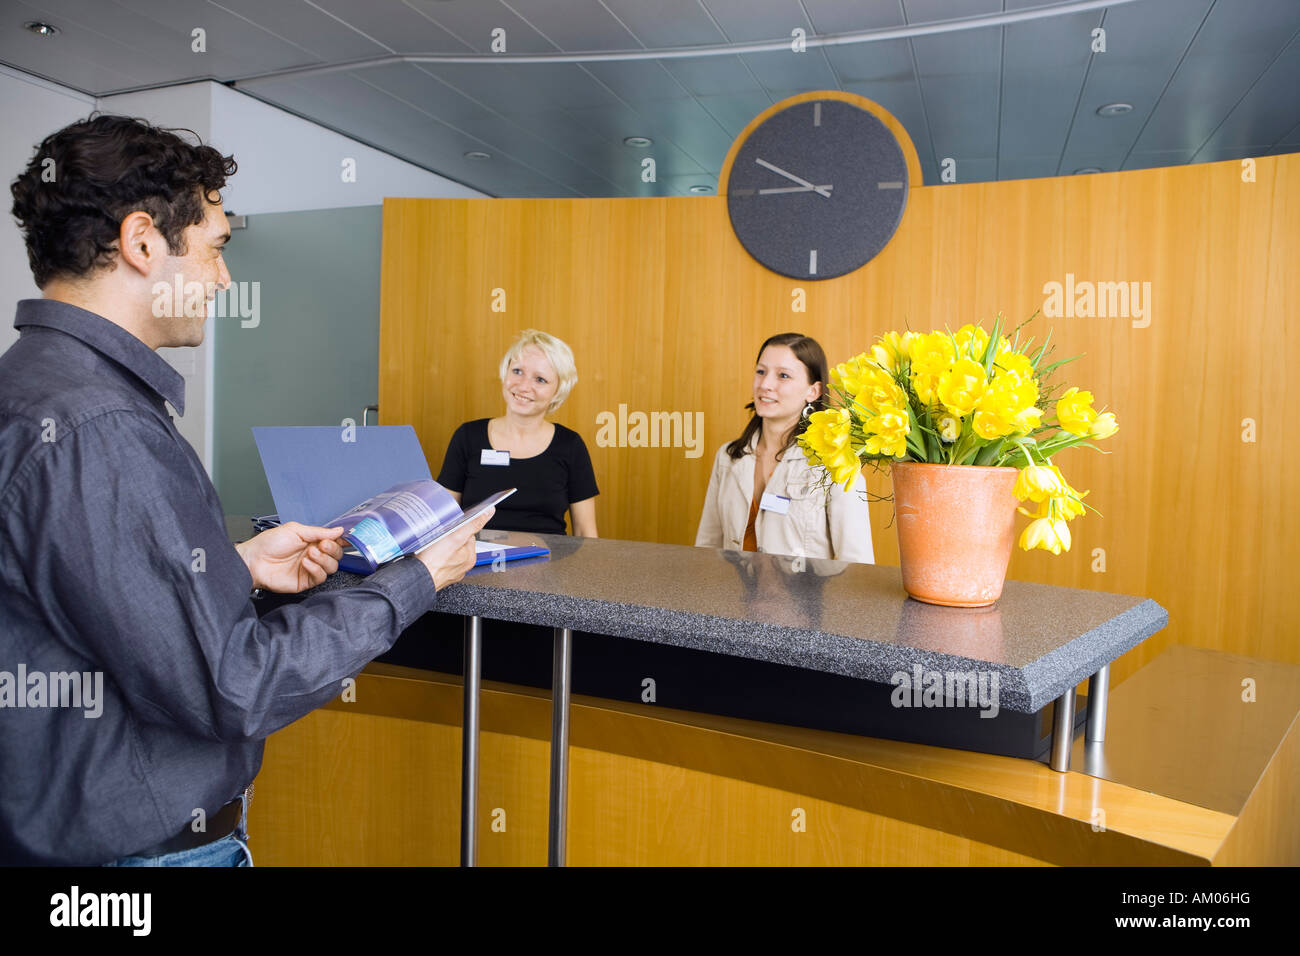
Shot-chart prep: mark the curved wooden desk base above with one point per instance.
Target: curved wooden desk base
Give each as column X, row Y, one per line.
column 377, row 782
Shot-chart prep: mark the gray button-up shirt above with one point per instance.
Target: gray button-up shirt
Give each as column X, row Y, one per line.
column 137, row 682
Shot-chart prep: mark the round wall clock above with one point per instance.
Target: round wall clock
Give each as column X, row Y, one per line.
column 817, row 189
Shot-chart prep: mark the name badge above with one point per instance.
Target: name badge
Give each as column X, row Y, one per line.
column 774, row 503
column 490, row 456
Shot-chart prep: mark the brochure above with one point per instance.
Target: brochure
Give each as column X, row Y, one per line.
column 406, row 518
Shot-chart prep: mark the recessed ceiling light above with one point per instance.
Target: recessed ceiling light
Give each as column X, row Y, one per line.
column 41, row 29
column 1088, row 169
column 1115, row 109
column 701, row 189
column 477, row 154
column 640, row 142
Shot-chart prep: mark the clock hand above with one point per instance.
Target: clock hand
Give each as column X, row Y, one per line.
column 820, row 190
column 792, row 189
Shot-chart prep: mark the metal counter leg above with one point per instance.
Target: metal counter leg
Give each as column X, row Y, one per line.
column 561, row 666
column 469, row 743
column 1062, row 731
column 1098, row 690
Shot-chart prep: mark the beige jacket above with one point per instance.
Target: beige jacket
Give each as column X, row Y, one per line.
column 814, row 526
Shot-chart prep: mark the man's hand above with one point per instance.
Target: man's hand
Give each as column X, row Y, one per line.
column 292, row 557
column 449, row 558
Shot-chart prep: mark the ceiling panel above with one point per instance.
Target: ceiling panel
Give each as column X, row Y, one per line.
column 1150, row 160
column 510, row 88
column 931, row 11
column 1267, row 112
column 1057, row 44
column 1018, row 166
column 743, row 21
column 1208, row 79
column 963, row 114
column 473, row 23
column 843, row 16
column 1037, row 106
column 80, row 56
column 418, row 87
column 638, row 81
column 787, row 73
column 1292, row 138
column 310, row 28
column 735, row 111
column 668, row 23
column 1228, row 54
column 574, row 24
column 880, row 60
column 615, row 123
column 681, row 185
column 393, row 24
column 505, row 137
column 713, row 75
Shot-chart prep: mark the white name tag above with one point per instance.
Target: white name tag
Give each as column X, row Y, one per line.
column 490, row 456
column 774, row 503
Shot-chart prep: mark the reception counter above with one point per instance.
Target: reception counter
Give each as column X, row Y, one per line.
column 650, row 783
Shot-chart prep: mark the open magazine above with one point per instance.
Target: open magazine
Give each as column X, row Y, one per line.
column 406, row 518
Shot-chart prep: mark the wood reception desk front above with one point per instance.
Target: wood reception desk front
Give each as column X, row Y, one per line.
column 734, row 708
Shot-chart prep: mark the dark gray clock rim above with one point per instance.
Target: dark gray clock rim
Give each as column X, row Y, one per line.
column 892, row 223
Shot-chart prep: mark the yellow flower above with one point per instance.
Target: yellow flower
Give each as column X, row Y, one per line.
column 972, row 340
column 932, row 356
column 1007, row 406
column 892, row 351
column 961, row 387
column 1038, row 483
column 1049, row 534
column 1046, row 485
column 877, row 388
column 1104, row 426
column 1028, row 420
column 828, row 441
column 1016, row 365
column 886, row 432
column 1075, row 412
column 848, row 375
column 949, row 428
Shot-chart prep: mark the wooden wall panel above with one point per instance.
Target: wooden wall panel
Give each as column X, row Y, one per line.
column 665, row 312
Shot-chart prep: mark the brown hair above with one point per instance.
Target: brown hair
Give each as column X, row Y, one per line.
column 807, row 351
column 87, row 177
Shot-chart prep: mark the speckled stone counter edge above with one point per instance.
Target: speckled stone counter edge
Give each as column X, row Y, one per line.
column 1024, row 690
column 1053, row 673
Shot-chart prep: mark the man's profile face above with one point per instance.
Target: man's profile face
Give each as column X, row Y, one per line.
column 186, row 284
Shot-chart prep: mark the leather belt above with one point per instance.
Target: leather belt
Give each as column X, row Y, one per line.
column 219, row 826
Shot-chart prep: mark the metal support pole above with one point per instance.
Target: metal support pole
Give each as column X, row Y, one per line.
column 561, row 666
column 469, row 743
column 1098, row 691
column 1063, row 731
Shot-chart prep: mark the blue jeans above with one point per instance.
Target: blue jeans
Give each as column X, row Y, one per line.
column 231, row 850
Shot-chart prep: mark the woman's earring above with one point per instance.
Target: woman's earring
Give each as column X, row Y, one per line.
column 807, row 410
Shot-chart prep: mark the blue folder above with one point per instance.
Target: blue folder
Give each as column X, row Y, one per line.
column 315, row 475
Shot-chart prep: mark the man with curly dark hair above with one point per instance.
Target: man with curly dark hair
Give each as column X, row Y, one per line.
column 137, row 682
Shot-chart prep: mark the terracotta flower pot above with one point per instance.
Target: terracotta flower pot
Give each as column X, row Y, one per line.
column 956, row 528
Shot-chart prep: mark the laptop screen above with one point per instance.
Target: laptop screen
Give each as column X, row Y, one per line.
column 315, row 475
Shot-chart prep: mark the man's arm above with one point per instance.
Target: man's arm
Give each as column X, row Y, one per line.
column 131, row 565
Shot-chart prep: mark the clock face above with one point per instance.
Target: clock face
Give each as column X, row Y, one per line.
column 817, row 190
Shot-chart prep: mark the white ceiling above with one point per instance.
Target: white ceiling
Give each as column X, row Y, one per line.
column 1208, row 79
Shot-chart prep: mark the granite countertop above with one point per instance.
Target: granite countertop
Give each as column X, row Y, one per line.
column 833, row 616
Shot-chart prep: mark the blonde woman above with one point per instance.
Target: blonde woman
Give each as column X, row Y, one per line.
column 548, row 463
column 763, row 495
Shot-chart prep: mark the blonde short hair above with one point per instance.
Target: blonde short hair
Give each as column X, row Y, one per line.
column 557, row 353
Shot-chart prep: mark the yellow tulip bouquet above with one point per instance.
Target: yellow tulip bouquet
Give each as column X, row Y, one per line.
column 963, row 398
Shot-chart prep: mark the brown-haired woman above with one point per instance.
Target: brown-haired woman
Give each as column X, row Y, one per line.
column 763, row 495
